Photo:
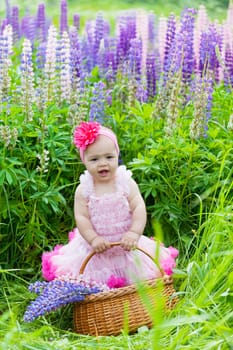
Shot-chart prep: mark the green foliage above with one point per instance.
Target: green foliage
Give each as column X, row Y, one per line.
column 180, row 178
column 36, row 193
column 203, row 318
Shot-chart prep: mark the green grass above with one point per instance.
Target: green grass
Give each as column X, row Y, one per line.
column 110, row 9
column 203, row 319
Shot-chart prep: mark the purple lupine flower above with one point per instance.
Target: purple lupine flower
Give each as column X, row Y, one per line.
column 134, row 59
column 202, row 22
column 202, row 102
column 85, row 54
column 99, row 32
column 170, row 37
column 28, row 27
column 151, row 29
column 228, row 72
column 75, row 54
column 15, row 23
column 41, row 23
column 97, row 105
column 151, row 76
column 37, row 287
column 182, row 51
column 210, row 40
column 63, row 17
column 8, row 12
column 187, row 29
column 87, row 45
column 40, row 55
column 3, row 25
column 91, row 47
column 55, row 294
column 141, row 93
column 126, row 32
column 76, row 21
column 107, row 59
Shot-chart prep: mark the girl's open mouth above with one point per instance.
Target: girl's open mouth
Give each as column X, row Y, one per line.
column 103, row 172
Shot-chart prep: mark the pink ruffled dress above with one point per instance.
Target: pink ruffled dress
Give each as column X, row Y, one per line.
column 111, row 218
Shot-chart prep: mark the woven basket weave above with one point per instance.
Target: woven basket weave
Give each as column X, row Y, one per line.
column 106, row 313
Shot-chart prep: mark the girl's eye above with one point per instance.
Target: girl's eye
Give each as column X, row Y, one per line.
column 110, row 157
column 93, row 159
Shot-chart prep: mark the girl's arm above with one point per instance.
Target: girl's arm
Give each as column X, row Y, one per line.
column 84, row 224
column 139, row 216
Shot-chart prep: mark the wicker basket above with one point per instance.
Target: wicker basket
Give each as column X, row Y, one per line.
column 106, row 313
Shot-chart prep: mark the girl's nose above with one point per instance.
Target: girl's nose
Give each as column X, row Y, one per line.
column 102, row 161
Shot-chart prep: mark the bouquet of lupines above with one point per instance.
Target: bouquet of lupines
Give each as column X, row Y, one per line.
column 57, row 293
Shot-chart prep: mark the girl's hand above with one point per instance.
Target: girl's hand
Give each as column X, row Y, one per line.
column 130, row 240
column 99, row 244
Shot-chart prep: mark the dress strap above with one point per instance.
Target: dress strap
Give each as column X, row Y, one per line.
column 123, row 176
column 86, row 182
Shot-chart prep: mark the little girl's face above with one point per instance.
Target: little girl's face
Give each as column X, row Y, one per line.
column 101, row 159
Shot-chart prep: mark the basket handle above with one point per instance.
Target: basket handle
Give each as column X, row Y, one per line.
column 87, row 259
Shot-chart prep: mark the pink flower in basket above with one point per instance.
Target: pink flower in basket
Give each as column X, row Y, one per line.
column 85, row 134
column 116, row 282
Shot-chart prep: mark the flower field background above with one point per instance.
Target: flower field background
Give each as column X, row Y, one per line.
column 164, row 85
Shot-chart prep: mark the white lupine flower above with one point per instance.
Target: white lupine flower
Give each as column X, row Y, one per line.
column 230, row 123
column 50, row 81
column 5, row 135
column 142, row 33
column 6, row 44
column 8, row 34
column 174, row 104
column 44, row 161
column 65, row 72
column 8, row 136
column 202, row 102
column 27, row 80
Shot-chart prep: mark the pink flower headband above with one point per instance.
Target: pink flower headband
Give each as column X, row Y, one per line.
column 86, row 133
